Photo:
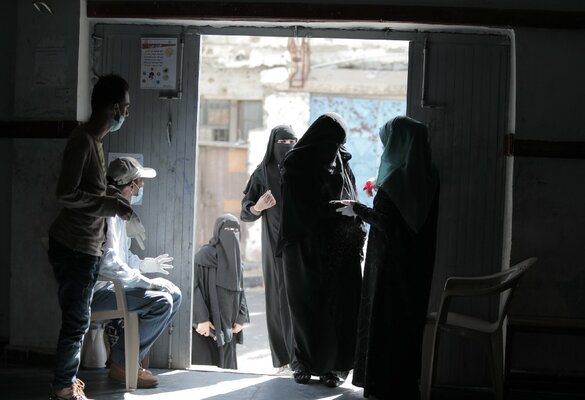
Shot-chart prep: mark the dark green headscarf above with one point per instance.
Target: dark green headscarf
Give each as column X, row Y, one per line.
column 406, row 172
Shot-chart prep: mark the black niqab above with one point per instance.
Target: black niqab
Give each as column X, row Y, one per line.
column 223, row 252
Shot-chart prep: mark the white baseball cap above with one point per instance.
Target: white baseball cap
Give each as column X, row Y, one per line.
column 124, row 170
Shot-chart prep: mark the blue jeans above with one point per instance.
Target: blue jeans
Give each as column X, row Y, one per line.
column 76, row 275
column 155, row 308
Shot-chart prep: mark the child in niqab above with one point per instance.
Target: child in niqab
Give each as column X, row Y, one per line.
column 219, row 304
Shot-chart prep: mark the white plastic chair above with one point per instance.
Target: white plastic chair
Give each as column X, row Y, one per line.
column 489, row 333
column 131, row 334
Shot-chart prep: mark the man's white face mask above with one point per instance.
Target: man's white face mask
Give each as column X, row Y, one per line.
column 119, row 117
column 116, row 124
column 138, row 196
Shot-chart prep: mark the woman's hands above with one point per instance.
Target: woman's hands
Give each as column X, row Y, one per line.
column 203, row 328
column 347, row 208
column 265, row 202
column 237, row 328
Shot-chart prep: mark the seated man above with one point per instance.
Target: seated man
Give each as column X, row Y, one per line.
column 156, row 300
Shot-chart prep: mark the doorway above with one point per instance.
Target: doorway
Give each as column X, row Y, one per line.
column 248, row 85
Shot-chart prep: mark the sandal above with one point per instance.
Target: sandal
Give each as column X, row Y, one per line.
column 302, row 376
column 330, row 380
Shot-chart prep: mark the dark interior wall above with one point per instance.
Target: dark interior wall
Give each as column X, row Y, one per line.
column 44, row 79
column 566, row 5
column 549, row 195
column 8, row 48
column 5, row 242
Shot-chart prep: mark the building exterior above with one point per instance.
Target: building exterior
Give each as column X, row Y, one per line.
column 250, row 84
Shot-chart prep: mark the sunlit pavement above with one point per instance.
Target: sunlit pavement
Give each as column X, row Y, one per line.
column 255, row 378
column 254, row 353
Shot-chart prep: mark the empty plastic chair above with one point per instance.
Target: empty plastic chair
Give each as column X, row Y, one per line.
column 489, row 333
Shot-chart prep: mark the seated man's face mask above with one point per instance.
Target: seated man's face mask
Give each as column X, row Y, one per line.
column 136, row 198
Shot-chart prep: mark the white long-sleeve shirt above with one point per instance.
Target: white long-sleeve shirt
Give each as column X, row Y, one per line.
column 118, row 261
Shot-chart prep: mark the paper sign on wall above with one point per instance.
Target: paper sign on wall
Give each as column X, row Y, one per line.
column 158, row 63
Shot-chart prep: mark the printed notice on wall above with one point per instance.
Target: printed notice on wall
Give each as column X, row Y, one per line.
column 158, row 63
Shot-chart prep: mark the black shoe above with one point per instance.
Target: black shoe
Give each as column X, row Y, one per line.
column 330, row 380
column 302, row 376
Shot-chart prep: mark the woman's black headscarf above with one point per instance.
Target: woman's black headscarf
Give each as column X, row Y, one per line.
column 274, row 157
column 319, row 145
column 275, row 152
column 314, row 172
column 223, row 252
column 406, row 172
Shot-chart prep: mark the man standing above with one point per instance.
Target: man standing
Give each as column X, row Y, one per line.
column 156, row 300
column 77, row 235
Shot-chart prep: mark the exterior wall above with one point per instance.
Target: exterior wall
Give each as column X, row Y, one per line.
column 353, row 77
column 221, row 176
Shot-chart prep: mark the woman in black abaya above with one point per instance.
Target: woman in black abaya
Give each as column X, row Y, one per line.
column 399, row 263
column 219, row 304
column 322, row 252
column 262, row 199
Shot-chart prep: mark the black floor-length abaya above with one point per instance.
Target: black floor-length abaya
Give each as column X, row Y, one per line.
column 267, row 177
column 399, row 263
column 395, row 294
column 322, row 250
